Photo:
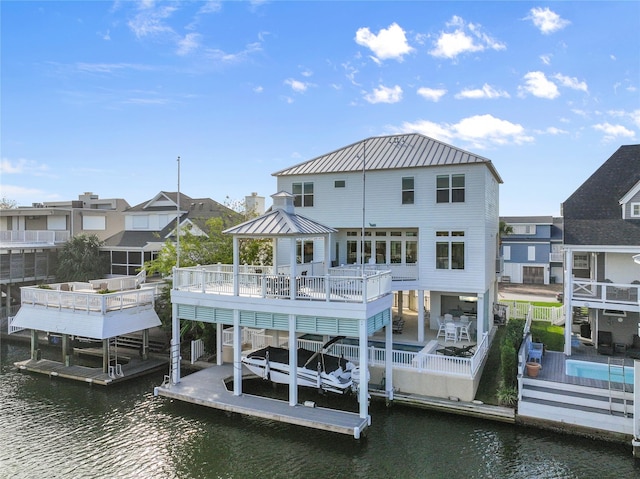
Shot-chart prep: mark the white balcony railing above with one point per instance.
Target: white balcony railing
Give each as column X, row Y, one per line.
column 605, row 292
column 34, row 237
column 339, row 285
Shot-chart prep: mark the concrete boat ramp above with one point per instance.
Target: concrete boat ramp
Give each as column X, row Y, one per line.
column 208, row 388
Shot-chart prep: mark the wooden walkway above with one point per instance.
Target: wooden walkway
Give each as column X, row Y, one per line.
column 208, row 388
column 134, row 368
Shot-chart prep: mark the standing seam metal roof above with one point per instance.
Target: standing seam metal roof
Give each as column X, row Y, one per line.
column 411, row 150
column 279, row 223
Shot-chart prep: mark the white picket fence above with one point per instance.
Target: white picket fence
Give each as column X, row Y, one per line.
column 520, row 310
column 197, row 350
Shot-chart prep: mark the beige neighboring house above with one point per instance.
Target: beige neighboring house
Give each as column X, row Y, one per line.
column 30, row 237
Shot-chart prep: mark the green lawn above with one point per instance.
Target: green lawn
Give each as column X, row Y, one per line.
column 550, row 335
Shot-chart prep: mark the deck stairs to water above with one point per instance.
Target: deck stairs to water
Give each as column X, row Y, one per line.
column 617, row 384
column 601, row 405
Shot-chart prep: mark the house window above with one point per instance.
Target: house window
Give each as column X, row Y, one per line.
column 304, row 251
column 381, row 252
column 140, row 222
column 531, row 253
column 450, row 188
column 411, row 255
column 523, row 229
column 352, row 252
column 396, row 251
column 449, row 249
column 303, row 194
column 339, row 184
column 407, row 190
column 506, row 253
column 580, row 261
column 635, row 210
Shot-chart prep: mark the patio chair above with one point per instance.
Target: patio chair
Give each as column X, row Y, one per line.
column 534, row 354
column 464, row 330
column 450, row 332
column 441, row 324
column 605, row 342
column 448, row 318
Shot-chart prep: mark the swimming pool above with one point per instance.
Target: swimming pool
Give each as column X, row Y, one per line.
column 584, row 369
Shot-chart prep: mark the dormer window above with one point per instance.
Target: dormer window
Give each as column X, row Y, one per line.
column 635, row 210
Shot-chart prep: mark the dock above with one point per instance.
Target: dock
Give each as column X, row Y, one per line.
column 132, row 369
column 208, row 387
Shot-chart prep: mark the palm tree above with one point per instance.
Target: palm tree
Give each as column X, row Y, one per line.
column 80, row 260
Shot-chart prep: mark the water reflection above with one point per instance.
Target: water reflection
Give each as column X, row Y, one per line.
column 61, row 429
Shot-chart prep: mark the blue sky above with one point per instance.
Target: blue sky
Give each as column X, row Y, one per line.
column 104, row 96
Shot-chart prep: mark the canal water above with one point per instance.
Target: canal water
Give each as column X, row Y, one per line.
column 53, row 428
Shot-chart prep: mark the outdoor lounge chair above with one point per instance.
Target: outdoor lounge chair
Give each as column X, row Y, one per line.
column 605, row 342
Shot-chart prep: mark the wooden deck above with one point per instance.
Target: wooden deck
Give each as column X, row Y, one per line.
column 554, row 367
column 134, row 368
column 208, row 388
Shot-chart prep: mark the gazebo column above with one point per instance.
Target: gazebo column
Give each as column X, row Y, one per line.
column 236, row 264
column 363, row 391
column 388, row 361
column 237, row 354
column 421, row 315
column 293, row 362
column 292, row 268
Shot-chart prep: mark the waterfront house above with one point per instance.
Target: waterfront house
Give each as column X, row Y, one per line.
column 419, row 212
column 591, row 385
column 532, row 252
column 30, row 237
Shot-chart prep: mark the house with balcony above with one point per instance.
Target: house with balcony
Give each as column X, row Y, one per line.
column 401, row 215
column 591, row 386
column 601, row 237
column 30, row 237
column 532, row 252
column 148, row 225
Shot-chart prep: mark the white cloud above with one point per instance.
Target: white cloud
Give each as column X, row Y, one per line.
column 390, row 43
column 452, row 44
column 613, row 132
column 546, row 59
column 487, row 91
column 258, row 89
column 384, row 94
column 224, row 57
column 296, row 85
column 538, row 85
column 189, row 43
column 149, row 20
column 432, row 94
column 480, row 131
column 552, row 130
column 546, row 20
column 571, row 82
column 22, row 167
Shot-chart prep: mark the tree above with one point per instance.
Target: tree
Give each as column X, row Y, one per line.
column 7, row 204
column 80, row 260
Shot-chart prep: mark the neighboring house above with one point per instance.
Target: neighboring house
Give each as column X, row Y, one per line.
column 601, row 236
column 532, row 251
column 148, row 225
column 31, row 236
column 385, row 215
column 590, row 385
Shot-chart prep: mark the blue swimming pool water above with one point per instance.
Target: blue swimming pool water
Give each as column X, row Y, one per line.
column 584, row 369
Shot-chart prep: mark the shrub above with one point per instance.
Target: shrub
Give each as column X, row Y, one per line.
column 509, row 364
column 507, row 396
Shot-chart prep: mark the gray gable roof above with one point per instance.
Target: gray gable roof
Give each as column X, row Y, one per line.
column 410, row 150
column 593, row 215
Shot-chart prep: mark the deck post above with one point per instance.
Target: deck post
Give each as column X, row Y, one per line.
column 219, row 344
column 175, row 344
column 145, row 344
column 388, row 360
column 293, row 361
column 105, row 355
column 34, row 345
column 363, row 391
column 421, row 316
column 237, row 354
column 66, row 357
